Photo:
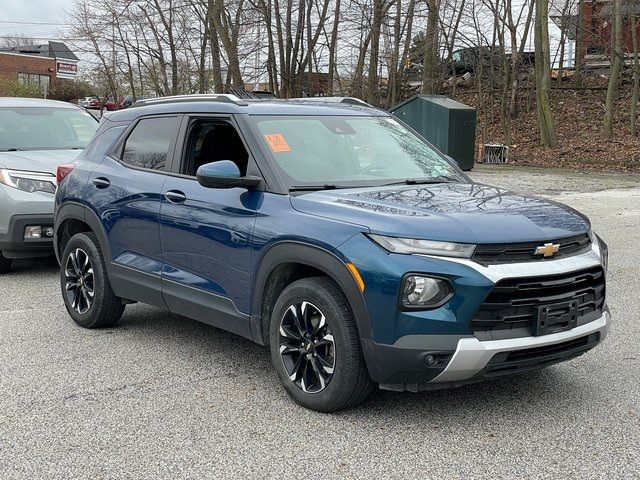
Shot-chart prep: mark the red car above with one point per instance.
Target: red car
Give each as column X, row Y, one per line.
column 110, row 104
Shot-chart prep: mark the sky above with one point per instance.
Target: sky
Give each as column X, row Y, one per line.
column 42, row 11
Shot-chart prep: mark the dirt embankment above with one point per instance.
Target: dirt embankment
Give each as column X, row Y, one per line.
column 578, row 114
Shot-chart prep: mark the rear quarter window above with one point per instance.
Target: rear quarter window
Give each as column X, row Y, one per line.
column 101, row 144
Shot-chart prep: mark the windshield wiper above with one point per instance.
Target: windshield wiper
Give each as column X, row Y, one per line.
column 422, row 181
column 13, row 149
column 311, row 188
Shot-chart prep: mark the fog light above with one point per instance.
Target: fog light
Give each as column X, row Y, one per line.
column 430, row 360
column 48, row 232
column 420, row 292
column 33, row 232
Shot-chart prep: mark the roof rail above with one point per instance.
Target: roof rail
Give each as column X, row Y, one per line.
column 213, row 97
column 349, row 100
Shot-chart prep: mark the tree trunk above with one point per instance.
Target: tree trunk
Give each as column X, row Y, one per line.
column 636, row 76
column 374, row 51
column 516, row 58
column 430, row 61
column 546, row 124
column 333, row 45
column 230, row 47
column 579, row 47
column 216, row 67
column 168, row 27
column 616, row 67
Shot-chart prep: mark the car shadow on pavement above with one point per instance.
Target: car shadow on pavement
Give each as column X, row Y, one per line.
column 34, row 265
column 538, row 392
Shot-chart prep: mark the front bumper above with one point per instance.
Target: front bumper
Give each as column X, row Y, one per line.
column 14, row 245
column 466, row 359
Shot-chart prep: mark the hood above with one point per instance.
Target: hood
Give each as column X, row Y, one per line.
column 37, row 160
column 456, row 212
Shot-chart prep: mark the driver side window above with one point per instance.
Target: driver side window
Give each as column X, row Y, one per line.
column 211, row 141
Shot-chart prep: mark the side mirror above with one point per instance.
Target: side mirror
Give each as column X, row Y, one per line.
column 224, row 174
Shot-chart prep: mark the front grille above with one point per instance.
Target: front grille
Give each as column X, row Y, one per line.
column 537, row 357
column 510, row 309
column 524, row 252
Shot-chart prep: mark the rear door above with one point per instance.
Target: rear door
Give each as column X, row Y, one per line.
column 206, row 232
column 126, row 192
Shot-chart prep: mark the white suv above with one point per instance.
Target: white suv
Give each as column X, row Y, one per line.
column 35, row 137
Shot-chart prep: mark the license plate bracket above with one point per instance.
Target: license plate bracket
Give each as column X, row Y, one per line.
column 556, row 317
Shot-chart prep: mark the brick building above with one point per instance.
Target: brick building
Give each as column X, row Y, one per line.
column 43, row 65
column 595, row 36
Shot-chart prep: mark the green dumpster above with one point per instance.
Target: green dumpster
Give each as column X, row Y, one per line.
column 445, row 123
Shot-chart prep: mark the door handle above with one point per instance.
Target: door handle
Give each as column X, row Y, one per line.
column 101, row 182
column 175, row 196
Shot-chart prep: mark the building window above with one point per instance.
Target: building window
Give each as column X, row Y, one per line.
column 42, row 81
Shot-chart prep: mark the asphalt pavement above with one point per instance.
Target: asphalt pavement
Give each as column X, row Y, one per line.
column 162, row 396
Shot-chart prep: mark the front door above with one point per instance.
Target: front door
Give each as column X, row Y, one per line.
column 205, row 232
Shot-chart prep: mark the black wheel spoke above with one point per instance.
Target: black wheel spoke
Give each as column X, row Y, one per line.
column 297, row 320
column 287, row 332
column 76, row 298
column 288, row 350
column 325, row 340
column 324, row 364
column 74, row 262
column 322, row 322
column 296, row 368
column 320, row 376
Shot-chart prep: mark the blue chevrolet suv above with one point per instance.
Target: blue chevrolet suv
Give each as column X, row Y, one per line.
column 330, row 232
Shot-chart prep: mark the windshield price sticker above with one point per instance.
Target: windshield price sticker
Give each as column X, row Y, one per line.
column 277, row 143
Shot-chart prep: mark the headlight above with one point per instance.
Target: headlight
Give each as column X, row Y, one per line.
column 29, row 181
column 422, row 292
column 604, row 249
column 424, row 247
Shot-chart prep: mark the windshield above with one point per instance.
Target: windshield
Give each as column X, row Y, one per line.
column 43, row 128
column 350, row 151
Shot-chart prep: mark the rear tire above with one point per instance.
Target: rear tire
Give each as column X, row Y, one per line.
column 85, row 285
column 5, row 264
column 315, row 347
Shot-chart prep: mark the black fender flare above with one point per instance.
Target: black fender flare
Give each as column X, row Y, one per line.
column 77, row 211
column 299, row 252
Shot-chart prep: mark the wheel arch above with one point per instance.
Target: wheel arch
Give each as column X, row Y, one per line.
column 72, row 218
column 287, row 261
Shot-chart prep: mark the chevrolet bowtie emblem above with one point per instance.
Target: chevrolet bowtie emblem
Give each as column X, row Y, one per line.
column 548, row 249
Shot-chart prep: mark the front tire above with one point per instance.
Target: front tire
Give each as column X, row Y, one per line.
column 86, row 290
column 5, row 264
column 315, row 347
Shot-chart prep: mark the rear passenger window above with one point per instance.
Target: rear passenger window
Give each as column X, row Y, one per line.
column 148, row 144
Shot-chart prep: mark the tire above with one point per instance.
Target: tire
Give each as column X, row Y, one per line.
column 96, row 306
column 5, row 264
column 334, row 367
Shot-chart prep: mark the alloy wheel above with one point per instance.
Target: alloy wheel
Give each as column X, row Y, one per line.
column 79, row 286
column 307, row 347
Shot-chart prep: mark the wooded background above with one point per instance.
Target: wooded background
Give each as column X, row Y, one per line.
column 382, row 51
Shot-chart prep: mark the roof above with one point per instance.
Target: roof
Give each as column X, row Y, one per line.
column 13, row 102
column 49, row 49
column 233, row 105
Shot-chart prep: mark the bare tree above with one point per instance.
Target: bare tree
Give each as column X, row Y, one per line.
column 546, row 124
column 616, row 68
